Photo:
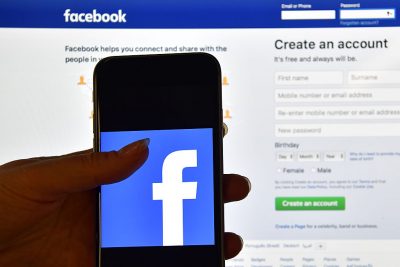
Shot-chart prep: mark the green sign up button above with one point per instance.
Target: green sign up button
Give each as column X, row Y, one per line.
column 310, row 203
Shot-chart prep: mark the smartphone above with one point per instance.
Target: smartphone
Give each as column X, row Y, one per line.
column 170, row 212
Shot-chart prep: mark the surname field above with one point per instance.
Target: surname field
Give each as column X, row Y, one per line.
column 374, row 77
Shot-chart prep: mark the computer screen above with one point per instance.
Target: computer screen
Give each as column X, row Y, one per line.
column 311, row 97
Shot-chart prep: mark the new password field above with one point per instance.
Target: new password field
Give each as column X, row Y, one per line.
column 337, row 130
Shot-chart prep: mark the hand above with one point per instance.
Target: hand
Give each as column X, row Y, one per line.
column 48, row 205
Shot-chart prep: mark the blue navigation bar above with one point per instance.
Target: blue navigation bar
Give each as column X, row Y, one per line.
column 137, row 14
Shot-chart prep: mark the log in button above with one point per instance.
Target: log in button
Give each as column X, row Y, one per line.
column 310, row 203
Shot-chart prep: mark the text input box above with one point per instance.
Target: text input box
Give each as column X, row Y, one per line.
column 308, row 77
column 374, row 77
column 337, row 113
column 338, row 130
column 337, row 95
column 308, row 14
column 389, row 13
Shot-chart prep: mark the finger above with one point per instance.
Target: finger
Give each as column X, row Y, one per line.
column 21, row 162
column 233, row 244
column 54, row 178
column 235, row 187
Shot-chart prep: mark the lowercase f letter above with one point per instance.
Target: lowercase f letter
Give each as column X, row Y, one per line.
column 172, row 191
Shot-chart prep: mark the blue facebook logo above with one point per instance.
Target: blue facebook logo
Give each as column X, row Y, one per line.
column 167, row 202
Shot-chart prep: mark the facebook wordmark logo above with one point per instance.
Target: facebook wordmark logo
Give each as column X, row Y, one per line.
column 95, row 17
column 167, row 202
column 172, row 191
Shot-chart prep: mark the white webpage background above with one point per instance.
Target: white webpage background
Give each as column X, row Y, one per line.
column 44, row 112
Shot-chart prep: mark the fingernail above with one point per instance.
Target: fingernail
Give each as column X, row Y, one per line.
column 224, row 129
column 248, row 180
column 241, row 239
column 135, row 147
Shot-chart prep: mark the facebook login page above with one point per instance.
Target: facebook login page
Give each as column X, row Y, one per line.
column 311, row 97
column 167, row 202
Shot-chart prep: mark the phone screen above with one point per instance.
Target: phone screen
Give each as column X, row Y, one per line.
column 169, row 211
column 169, row 201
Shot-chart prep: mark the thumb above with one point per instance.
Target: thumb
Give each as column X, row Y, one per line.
column 53, row 178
